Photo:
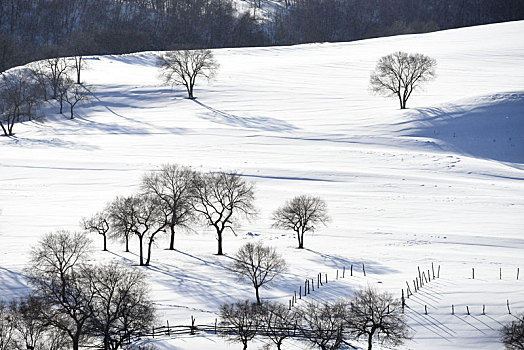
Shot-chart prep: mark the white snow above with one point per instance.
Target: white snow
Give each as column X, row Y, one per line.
column 440, row 182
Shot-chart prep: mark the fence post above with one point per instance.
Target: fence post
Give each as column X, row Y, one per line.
column 326, row 277
column 153, row 332
column 426, row 309
column 192, row 325
column 473, row 272
column 300, row 292
column 216, row 320
column 313, row 285
column 483, row 309
column 500, row 273
column 518, row 270
column 467, row 309
column 433, row 270
column 351, row 269
column 509, row 310
column 364, row 269
column 337, row 274
column 438, row 272
column 403, row 301
column 168, row 331
column 343, row 271
column 452, row 309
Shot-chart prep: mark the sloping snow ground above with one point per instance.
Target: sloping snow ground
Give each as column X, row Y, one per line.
column 440, row 182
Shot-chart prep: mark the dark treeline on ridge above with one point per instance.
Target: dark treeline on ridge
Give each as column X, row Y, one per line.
column 36, row 29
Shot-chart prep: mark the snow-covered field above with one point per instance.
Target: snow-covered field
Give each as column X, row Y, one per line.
column 441, row 182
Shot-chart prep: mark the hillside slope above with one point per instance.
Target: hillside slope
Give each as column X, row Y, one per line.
column 440, row 182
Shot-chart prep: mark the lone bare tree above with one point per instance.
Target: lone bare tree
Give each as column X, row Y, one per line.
column 172, row 186
column 222, row 199
column 373, row 314
column 301, row 214
column 399, row 73
column 512, row 334
column 98, row 223
column 244, row 320
column 184, row 66
column 258, row 264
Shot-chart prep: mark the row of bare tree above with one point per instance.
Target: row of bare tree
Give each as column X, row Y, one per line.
column 370, row 314
column 23, row 90
column 74, row 303
column 175, row 197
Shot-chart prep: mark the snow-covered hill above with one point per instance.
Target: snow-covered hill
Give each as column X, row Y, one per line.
column 441, row 182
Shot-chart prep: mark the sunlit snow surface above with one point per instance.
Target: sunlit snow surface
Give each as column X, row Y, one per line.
column 440, row 182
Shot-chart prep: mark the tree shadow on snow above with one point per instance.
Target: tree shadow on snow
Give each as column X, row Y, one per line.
column 491, row 128
column 257, row 123
column 12, row 284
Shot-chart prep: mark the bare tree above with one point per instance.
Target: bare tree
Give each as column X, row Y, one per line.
column 55, row 69
column 122, row 219
column 149, row 220
column 512, row 334
column 55, row 273
column 243, row 321
column 64, row 85
column 18, row 96
column 172, row 186
column 98, row 223
column 323, row 324
column 279, row 322
column 33, row 331
column 373, row 314
column 184, row 66
column 120, row 306
column 301, row 214
column 258, row 264
column 7, row 329
column 399, row 73
column 222, row 200
column 79, row 64
column 75, row 94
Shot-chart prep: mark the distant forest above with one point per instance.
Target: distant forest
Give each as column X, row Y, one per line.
column 35, row 29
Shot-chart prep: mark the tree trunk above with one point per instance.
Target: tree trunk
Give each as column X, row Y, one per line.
column 172, row 240
column 258, row 297
column 75, row 342
column 370, row 341
column 219, row 239
column 105, row 243
column 61, row 104
column 4, row 129
column 72, row 115
column 245, row 345
column 149, row 244
column 78, row 69
column 300, row 236
column 127, row 244
column 141, row 251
